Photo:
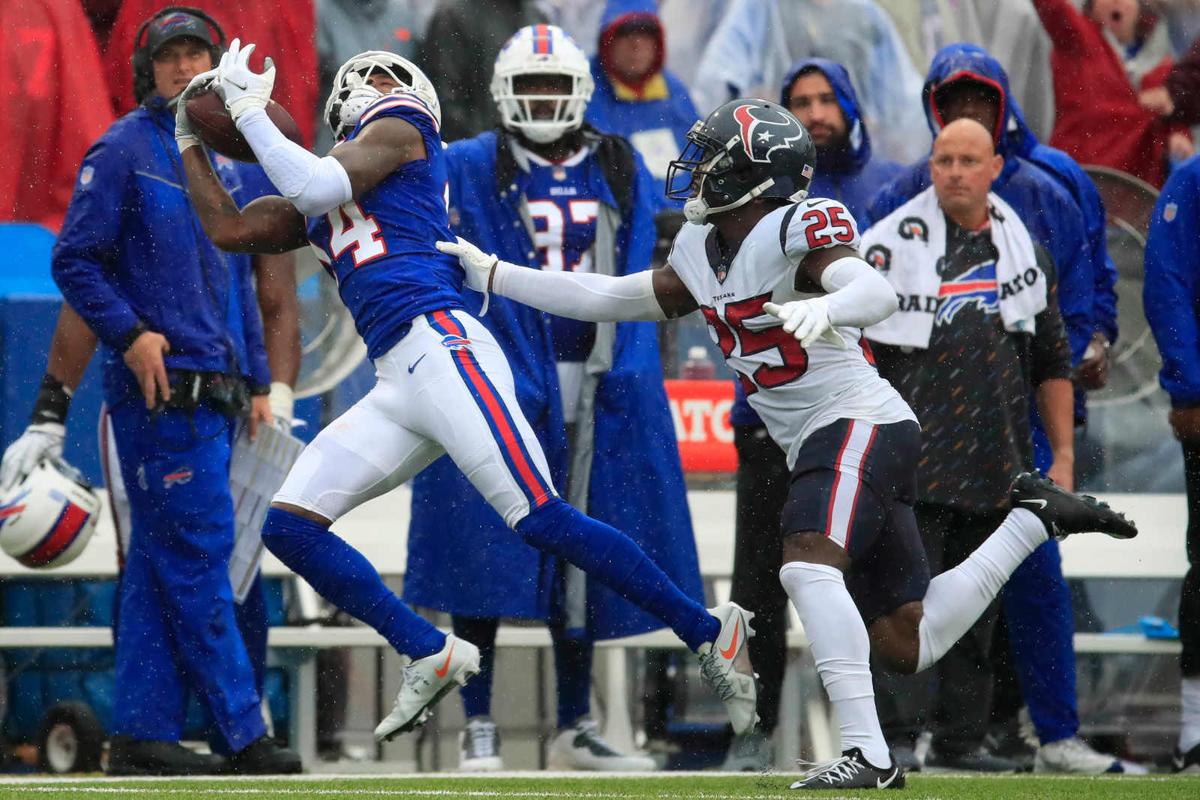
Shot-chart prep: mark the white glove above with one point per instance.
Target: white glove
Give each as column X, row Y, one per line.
column 283, row 405
column 185, row 137
column 807, row 320
column 40, row 440
column 243, row 89
column 477, row 264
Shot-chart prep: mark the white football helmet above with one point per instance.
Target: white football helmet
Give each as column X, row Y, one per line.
column 350, row 95
column 47, row 519
column 542, row 50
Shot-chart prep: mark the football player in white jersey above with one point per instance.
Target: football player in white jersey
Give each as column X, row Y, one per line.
column 780, row 282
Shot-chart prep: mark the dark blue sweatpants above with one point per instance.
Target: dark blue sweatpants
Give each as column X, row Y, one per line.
column 177, row 628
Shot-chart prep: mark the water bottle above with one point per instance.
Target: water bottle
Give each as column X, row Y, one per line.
column 698, row 367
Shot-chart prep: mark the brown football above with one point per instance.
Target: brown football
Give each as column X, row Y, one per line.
column 215, row 127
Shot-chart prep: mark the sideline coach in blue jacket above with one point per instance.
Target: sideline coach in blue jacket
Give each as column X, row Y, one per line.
column 1172, row 300
column 183, row 360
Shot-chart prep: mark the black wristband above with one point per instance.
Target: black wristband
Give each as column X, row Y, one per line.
column 259, row 390
column 53, row 402
column 132, row 336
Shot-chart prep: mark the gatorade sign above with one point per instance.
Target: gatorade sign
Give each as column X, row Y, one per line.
column 700, row 410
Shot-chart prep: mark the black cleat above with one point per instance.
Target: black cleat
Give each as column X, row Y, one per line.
column 264, row 756
column 1188, row 762
column 1064, row 512
column 851, row 771
column 128, row 756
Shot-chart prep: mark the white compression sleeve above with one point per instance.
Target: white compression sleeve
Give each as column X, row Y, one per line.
column 587, row 296
column 314, row 185
column 858, row 295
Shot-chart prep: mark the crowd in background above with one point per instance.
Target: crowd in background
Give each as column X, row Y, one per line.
column 68, row 77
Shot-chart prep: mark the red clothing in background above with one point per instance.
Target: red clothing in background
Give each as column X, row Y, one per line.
column 55, row 105
column 285, row 30
column 1097, row 116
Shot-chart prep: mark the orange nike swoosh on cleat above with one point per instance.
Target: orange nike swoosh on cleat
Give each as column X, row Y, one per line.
column 732, row 645
column 445, row 667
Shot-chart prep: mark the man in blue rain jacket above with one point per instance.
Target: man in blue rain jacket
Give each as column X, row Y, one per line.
column 183, row 359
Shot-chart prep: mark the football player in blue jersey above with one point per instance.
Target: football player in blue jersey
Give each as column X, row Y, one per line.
column 549, row 188
column 374, row 209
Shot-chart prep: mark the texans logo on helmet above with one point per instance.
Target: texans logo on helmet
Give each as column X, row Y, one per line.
column 764, row 129
column 977, row 286
column 914, row 228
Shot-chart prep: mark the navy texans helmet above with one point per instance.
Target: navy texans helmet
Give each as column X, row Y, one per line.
column 745, row 149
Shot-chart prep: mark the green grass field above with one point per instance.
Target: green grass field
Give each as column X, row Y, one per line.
column 536, row 787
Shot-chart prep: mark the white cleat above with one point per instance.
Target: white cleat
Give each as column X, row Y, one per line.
column 1074, row 756
column 725, row 666
column 424, row 682
column 479, row 747
column 581, row 747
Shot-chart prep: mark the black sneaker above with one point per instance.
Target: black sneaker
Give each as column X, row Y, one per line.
column 1007, row 741
column 1188, row 762
column 977, row 760
column 851, row 771
column 128, row 756
column 265, row 757
column 1064, row 512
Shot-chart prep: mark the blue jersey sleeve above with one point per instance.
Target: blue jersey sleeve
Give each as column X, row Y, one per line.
column 90, row 242
column 1169, row 293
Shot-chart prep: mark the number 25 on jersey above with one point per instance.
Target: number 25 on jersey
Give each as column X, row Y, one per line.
column 731, row 332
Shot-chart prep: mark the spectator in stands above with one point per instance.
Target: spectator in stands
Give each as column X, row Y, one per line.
column 819, row 93
column 636, row 97
column 1178, row 99
column 1172, row 296
column 460, row 45
column 758, row 40
column 1099, row 66
column 183, row 353
column 347, row 27
column 51, row 68
column 282, row 28
column 967, row 359
column 590, row 206
column 965, row 81
column 1010, row 29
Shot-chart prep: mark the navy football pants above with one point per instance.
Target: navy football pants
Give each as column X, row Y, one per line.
column 177, row 627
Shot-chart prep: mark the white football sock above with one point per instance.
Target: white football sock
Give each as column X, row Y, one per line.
column 841, row 650
column 1189, row 729
column 958, row 596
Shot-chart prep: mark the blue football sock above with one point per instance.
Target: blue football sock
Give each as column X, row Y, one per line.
column 344, row 577
column 573, row 674
column 615, row 560
column 477, row 692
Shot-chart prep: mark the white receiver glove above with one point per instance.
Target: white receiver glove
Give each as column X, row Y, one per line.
column 283, row 405
column 185, row 137
column 40, row 440
column 807, row 320
column 242, row 88
column 477, row 264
